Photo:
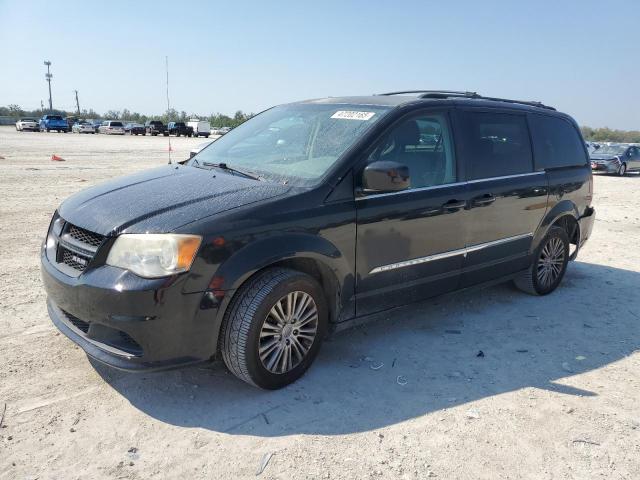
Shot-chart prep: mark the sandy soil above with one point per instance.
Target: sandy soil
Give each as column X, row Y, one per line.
column 555, row 396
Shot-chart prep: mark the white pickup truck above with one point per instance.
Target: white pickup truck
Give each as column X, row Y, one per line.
column 201, row 128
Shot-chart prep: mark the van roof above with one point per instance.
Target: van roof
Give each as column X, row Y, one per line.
column 394, row 99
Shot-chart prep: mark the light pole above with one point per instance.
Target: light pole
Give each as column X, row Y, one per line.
column 77, row 103
column 48, row 76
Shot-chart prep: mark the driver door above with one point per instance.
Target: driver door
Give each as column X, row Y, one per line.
column 410, row 243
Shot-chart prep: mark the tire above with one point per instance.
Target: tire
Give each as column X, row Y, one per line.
column 622, row 170
column 48, row 130
column 553, row 245
column 249, row 321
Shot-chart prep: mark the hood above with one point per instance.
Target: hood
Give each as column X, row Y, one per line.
column 162, row 199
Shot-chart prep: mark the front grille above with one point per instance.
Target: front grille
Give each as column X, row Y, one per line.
column 85, row 236
column 74, row 260
column 76, row 248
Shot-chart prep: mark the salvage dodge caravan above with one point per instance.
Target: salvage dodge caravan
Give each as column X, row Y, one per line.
column 313, row 216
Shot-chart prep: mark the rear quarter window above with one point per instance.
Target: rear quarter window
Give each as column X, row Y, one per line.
column 556, row 143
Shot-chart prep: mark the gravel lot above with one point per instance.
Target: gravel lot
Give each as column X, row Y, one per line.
column 555, row 395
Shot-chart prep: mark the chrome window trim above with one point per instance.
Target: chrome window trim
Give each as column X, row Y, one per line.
column 444, row 185
column 410, row 190
column 452, row 253
column 478, row 180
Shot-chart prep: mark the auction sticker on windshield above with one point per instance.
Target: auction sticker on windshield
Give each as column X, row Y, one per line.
column 353, row 115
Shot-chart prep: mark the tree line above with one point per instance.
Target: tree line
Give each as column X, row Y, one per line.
column 171, row 115
column 604, row 134
column 608, row 135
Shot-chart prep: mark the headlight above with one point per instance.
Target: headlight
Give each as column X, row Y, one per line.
column 154, row 255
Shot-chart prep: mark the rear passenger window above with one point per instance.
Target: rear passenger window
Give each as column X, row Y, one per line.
column 556, row 143
column 497, row 144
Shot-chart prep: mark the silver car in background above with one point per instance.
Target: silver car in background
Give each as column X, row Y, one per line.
column 616, row 158
column 82, row 127
column 111, row 127
column 27, row 124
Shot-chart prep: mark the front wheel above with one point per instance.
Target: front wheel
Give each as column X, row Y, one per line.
column 549, row 264
column 622, row 170
column 273, row 328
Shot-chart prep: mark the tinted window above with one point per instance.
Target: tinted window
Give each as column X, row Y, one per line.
column 116, row 124
column 424, row 145
column 556, row 142
column 497, row 144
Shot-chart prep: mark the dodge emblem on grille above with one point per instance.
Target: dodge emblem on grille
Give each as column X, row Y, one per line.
column 80, row 260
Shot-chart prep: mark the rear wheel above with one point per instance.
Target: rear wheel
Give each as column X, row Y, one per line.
column 273, row 328
column 549, row 264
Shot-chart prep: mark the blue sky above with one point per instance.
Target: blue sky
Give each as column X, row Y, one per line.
column 581, row 56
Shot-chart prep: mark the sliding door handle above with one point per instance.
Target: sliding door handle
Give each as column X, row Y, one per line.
column 486, row 199
column 453, row 205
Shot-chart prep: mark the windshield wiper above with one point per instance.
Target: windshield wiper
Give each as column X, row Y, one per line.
column 226, row 167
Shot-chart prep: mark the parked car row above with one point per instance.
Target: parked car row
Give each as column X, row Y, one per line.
column 616, row 159
column 192, row 128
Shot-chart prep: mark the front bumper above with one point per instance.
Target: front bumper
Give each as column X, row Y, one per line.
column 131, row 323
column 605, row 167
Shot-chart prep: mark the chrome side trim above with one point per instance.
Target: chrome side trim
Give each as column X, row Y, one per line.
column 452, row 253
column 480, row 246
column 417, row 261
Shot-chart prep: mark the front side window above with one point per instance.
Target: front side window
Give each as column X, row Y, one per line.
column 293, row 144
column 496, row 144
column 424, row 145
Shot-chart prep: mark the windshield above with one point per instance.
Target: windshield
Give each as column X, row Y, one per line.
column 292, row 143
column 611, row 150
column 54, row 117
column 28, row 120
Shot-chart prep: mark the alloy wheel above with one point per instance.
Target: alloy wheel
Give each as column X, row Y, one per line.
column 288, row 332
column 622, row 170
column 551, row 262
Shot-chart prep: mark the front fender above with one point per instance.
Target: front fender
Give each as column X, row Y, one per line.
column 260, row 254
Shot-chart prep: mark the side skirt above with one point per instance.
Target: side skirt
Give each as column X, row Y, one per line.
column 374, row 317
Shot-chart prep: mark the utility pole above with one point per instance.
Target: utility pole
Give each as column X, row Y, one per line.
column 41, row 106
column 77, row 103
column 49, row 76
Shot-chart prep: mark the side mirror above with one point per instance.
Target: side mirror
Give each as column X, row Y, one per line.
column 385, row 176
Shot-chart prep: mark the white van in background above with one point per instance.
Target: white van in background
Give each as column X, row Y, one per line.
column 201, row 128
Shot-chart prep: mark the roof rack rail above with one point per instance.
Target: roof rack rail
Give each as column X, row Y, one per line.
column 458, row 94
column 434, row 93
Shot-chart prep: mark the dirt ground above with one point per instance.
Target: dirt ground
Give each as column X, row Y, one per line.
column 555, row 396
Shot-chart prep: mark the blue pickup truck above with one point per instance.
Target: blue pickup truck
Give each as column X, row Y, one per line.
column 54, row 122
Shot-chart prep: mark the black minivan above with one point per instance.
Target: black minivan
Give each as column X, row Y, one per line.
column 311, row 217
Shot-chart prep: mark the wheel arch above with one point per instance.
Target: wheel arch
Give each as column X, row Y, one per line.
column 310, row 254
column 564, row 214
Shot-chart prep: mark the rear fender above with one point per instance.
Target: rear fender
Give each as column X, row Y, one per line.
column 562, row 208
